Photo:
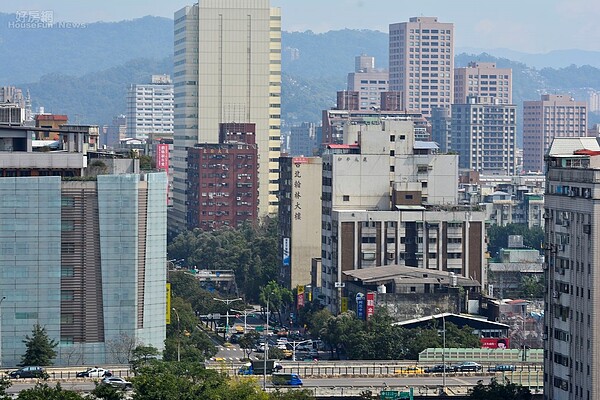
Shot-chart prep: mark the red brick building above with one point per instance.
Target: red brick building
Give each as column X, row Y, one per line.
column 222, row 179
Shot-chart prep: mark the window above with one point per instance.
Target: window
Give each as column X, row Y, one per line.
column 67, row 295
column 67, row 272
column 346, row 198
column 67, row 319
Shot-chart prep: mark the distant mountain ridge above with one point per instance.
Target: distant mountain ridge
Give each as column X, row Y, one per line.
column 85, row 72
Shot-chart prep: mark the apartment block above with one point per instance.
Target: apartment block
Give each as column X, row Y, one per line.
column 572, row 344
column 389, row 199
column 304, row 139
column 150, row 108
column 554, row 115
column 422, row 63
column 483, row 79
column 223, row 179
column 484, row 133
column 368, row 82
column 441, row 127
column 227, row 68
column 299, row 218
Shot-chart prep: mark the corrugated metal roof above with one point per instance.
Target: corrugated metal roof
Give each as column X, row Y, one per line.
column 419, row 144
column 567, row 146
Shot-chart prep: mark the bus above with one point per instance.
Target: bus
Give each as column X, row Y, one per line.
column 280, row 379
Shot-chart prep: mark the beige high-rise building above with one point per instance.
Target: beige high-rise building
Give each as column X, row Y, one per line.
column 554, row 115
column 422, row 63
column 227, row 68
column 483, row 79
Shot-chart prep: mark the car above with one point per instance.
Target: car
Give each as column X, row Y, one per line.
column 94, row 373
column 28, row 372
column 439, row 369
column 468, row 366
column 117, row 382
column 502, row 368
column 410, row 369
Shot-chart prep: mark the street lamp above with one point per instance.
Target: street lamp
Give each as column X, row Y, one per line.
column 266, row 346
column 178, row 336
column 443, row 352
column 295, row 345
column 1, row 300
column 228, row 302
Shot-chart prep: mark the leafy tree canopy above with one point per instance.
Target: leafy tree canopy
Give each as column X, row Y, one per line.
column 43, row 391
column 500, row 391
column 498, row 237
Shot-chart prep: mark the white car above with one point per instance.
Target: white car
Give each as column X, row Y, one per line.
column 94, row 373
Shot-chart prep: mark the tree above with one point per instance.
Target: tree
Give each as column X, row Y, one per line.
column 107, row 392
column 498, row 237
column 532, row 287
column 295, row 394
column 42, row 391
column 248, row 341
column 5, row 383
column 499, row 391
column 121, row 347
column 40, row 348
column 276, row 295
column 141, row 355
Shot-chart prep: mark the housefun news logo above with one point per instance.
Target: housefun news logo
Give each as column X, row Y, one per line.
column 41, row 19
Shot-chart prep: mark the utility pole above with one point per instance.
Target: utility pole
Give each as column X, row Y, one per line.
column 1, row 300
column 266, row 345
column 228, row 302
column 178, row 336
column 295, row 345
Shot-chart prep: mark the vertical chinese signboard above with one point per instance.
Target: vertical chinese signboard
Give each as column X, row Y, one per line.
column 168, row 311
column 360, row 305
column 370, row 304
column 286, row 252
column 300, row 296
column 162, row 157
column 296, row 189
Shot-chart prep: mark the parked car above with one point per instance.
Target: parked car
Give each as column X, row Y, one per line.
column 439, row 369
column 117, row 382
column 28, row 372
column 94, row 373
column 468, row 366
column 502, row 368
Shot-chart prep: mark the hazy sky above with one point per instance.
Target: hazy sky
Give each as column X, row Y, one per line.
column 525, row 25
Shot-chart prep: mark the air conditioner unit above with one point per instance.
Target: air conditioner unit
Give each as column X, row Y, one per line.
column 555, row 294
column 238, row 198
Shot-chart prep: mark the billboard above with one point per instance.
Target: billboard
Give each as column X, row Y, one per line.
column 370, row 304
column 168, row 313
column 162, row 157
column 286, row 252
column 495, row 343
column 344, row 304
column 300, row 296
column 360, row 305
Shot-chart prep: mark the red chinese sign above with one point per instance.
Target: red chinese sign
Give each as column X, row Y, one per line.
column 162, row 157
column 370, row 304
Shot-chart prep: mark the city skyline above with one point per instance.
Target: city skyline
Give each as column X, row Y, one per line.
column 478, row 25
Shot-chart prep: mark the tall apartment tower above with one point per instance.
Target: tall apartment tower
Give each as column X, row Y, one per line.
column 227, row 68
column 554, row 115
column 484, row 134
column 368, row 82
column 572, row 207
column 150, row 108
column 483, row 79
column 422, row 63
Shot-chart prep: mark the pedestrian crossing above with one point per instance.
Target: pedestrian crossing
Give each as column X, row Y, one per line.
column 231, row 354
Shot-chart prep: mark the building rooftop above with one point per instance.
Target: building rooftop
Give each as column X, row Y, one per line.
column 400, row 274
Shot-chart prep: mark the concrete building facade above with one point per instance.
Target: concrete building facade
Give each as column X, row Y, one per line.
column 222, row 181
column 299, row 219
column 484, row 133
column 387, row 199
column 150, row 108
column 552, row 116
column 227, row 68
column 85, row 260
column 483, row 79
column 368, row 81
column 572, row 344
column 422, row 63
